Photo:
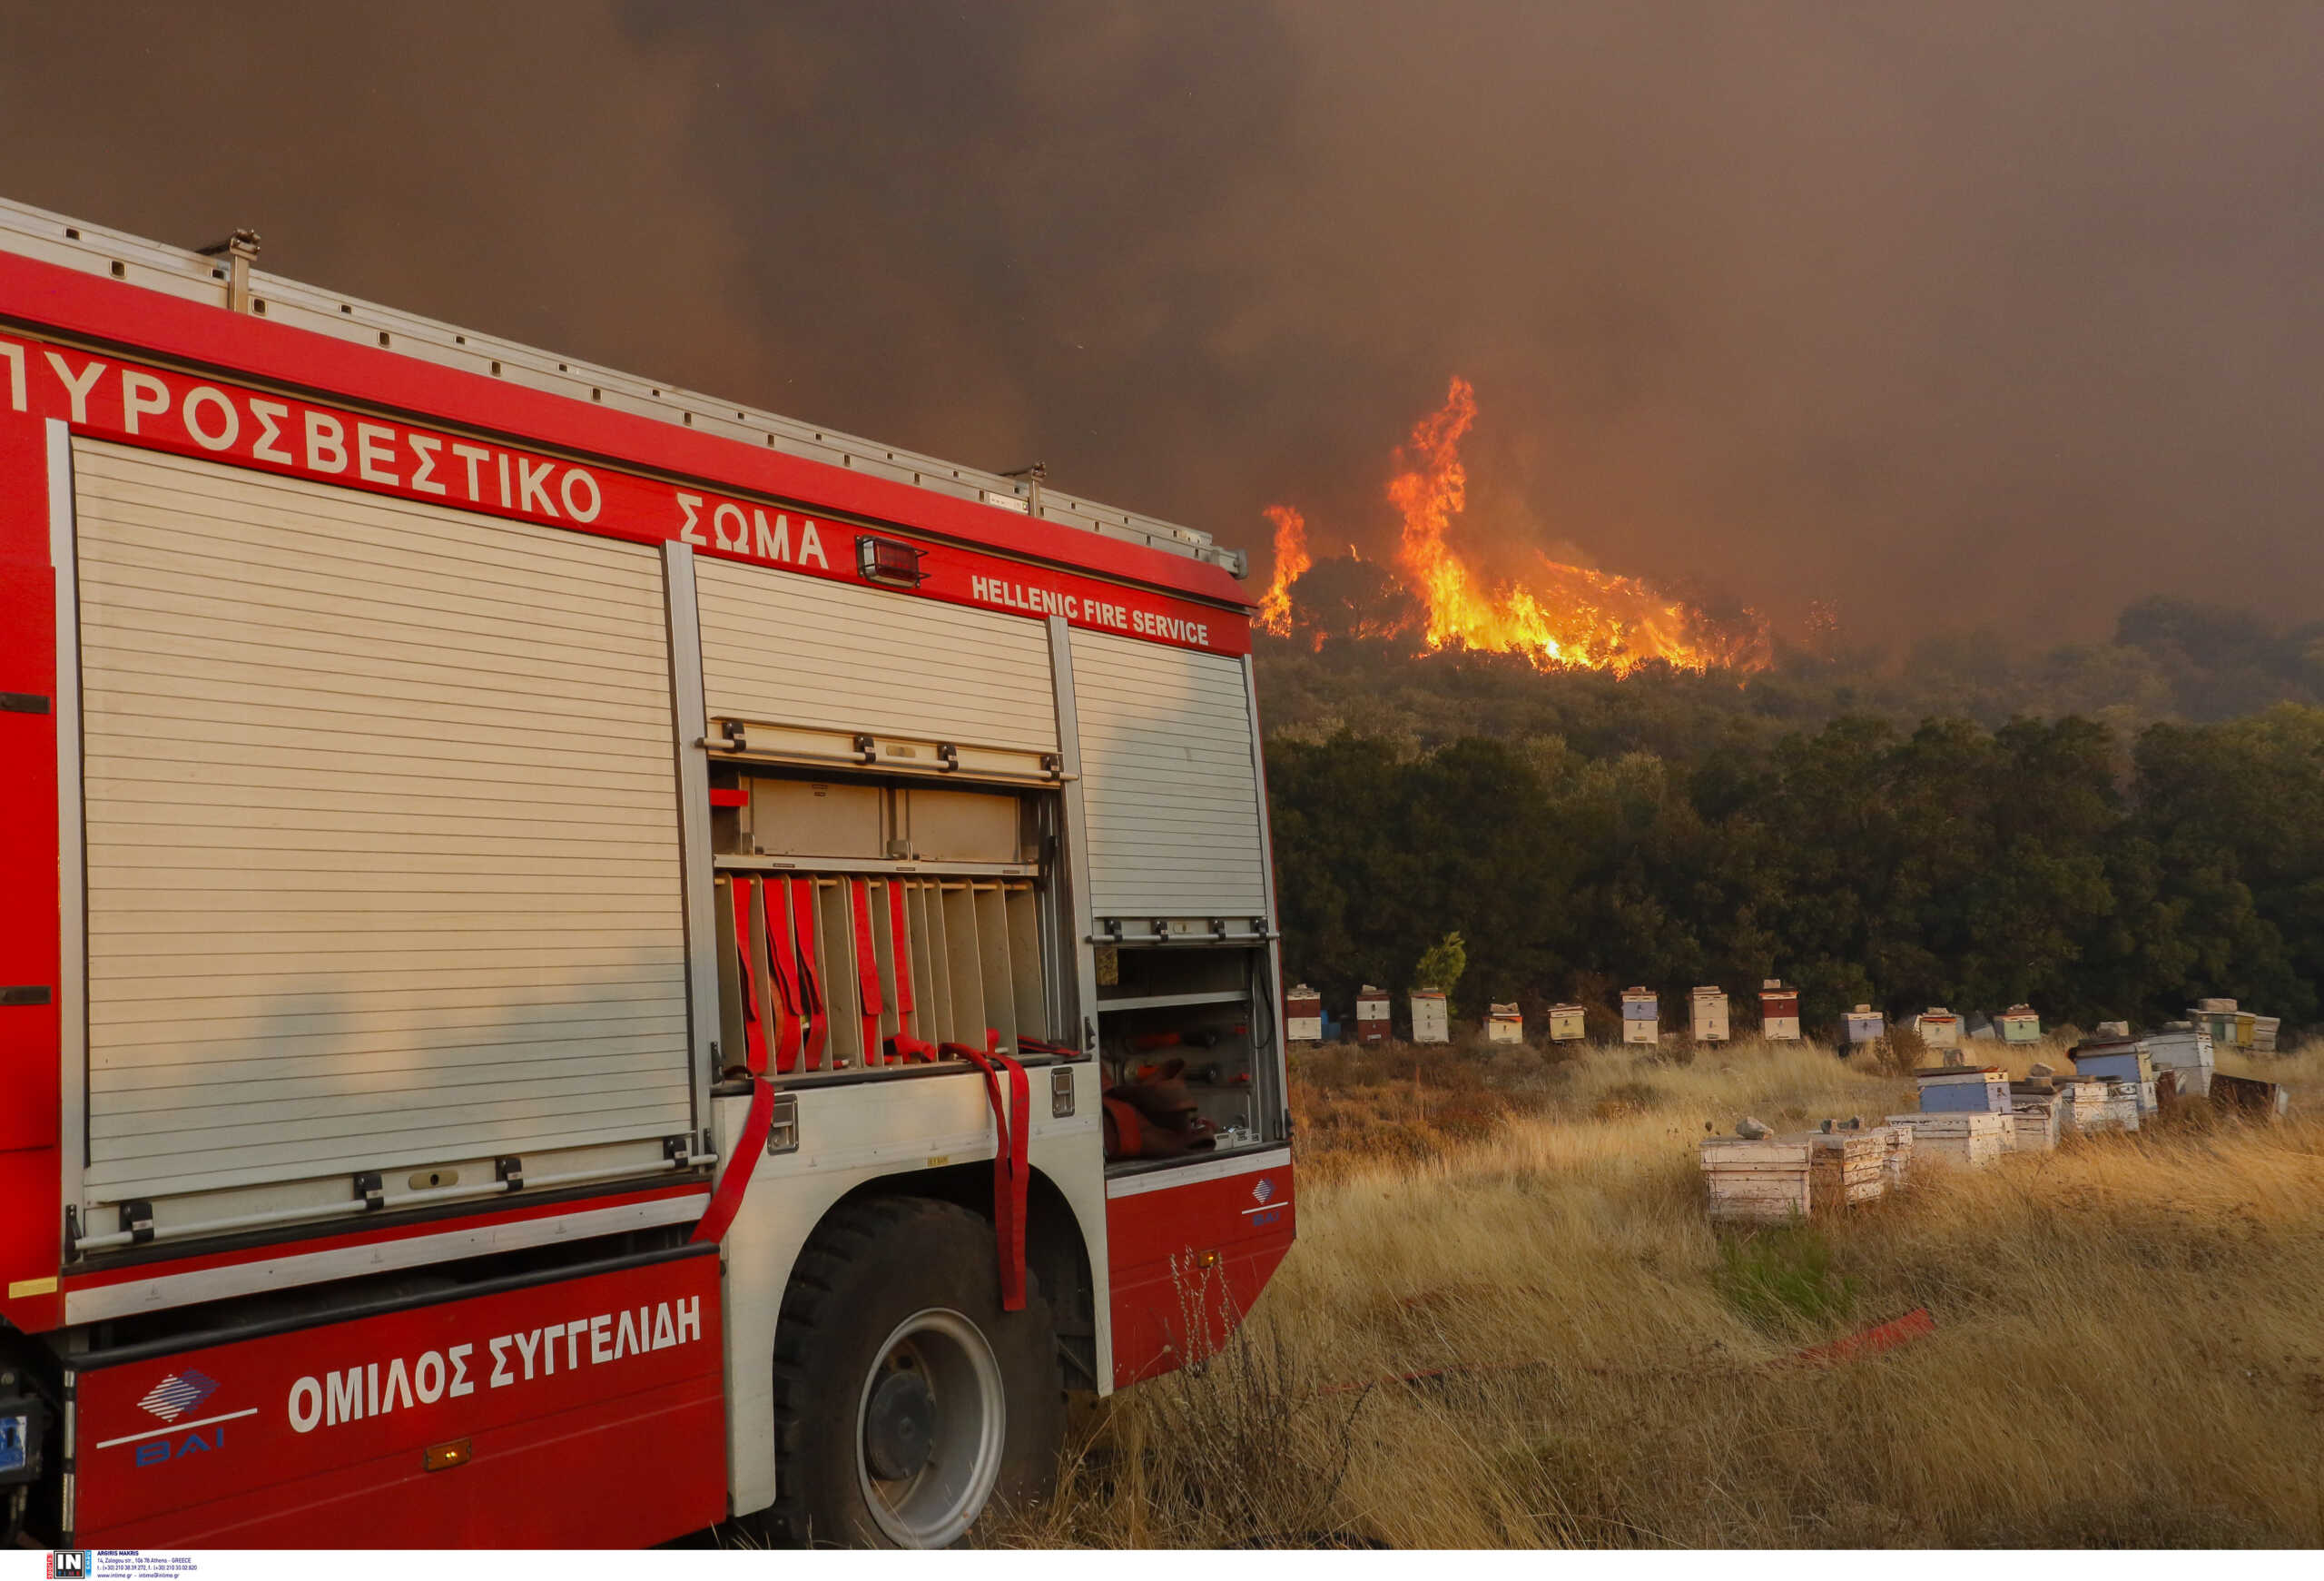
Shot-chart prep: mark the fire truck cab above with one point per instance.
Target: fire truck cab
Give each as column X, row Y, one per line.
column 577, row 961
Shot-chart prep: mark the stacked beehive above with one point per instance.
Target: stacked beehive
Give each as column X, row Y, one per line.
column 1778, row 1011
column 2019, row 1025
column 1756, row 1180
column 1939, row 1027
column 1505, row 1026
column 1641, row 1016
column 2125, row 1066
column 1707, row 1014
column 1431, row 1019
column 1302, row 1015
column 1971, row 1141
column 2033, row 1115
column 1372, row 1024
column 1897, row 1163
column 1846, row 1168
column 2185, row 1050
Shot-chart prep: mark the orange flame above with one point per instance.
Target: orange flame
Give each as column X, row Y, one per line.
column 1291, row 560
column 1568, row 615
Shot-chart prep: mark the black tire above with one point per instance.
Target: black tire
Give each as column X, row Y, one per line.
column 870, row 1271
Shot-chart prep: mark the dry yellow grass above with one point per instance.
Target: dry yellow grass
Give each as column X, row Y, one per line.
column 2129, row 1348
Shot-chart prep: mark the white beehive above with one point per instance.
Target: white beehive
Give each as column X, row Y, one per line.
column 2264, row 1028
column 1641, row 1016
column 1566, row 1023
column 1864, row 1024
column 1431, row 1021
column 1707, row 1014
column 1939, row 1027
column 1757, row 1182
column 2185, row 1051
column 1778, row 1011
column 1968, row 1140
column 1302, row 1015
column 1504, row 1025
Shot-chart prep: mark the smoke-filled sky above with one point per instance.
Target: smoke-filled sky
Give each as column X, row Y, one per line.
column 1993, row 311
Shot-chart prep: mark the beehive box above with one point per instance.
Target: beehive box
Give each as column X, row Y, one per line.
column 2264, row 1028
column 1641, row 1016
column 2246, row 1027
column 1372, row 1024
column 1864, row 1024
column 2100, row 1105
column 1302, row 1015
column 1939, row 1027
column 2124, row 1060
column 1707, row 1015
column 1757, row 1182
column 1566, row 1023
column 1969, row 1140
column 2217, row 1018
column 1432, row 1023
column 2184, row 1049
column 1505, row 1026
column 2019, row 1025
column 1964, row 1090
column 2033, row 1116
column 2078, row 1098
column 1778, row 1011
column 1846, row 1168
column 1897, row 1164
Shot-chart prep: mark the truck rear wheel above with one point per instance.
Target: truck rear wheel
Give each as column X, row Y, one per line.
column 905, row 1399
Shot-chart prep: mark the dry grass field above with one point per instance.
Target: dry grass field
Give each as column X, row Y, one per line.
column 2129, row 1349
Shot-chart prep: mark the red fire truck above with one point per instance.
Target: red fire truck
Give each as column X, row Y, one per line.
column 577, row 961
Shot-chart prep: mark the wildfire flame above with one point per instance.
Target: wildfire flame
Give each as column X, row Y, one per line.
column 1562, row 615
column 1291, row 562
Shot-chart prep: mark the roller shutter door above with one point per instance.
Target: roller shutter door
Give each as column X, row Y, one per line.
column 382, row 837
column 1170, row 791
column 782, row 648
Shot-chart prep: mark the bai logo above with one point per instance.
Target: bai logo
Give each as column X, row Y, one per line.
column 175, row 1398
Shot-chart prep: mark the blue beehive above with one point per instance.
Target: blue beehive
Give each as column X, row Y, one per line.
column 1964, row 1090
column 2125, row 1061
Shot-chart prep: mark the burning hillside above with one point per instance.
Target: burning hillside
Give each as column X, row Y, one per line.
column 1558, row 616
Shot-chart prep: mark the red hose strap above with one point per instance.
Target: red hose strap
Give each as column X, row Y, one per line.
column 907, row 1048
column 811, row 992
column 1011, row 1173
column 783, row 953
column 867, row 971
column 726, row 1197
column 753, row 1036
column 900, row 942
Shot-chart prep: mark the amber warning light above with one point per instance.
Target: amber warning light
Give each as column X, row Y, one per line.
column 888, row 562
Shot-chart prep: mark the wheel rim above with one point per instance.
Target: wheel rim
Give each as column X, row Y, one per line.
column 937, row 1362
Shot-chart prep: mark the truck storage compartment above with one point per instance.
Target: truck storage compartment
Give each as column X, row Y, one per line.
column 382, row 845
column 854, row 909
column 1189, row 1028
column 1171, row 785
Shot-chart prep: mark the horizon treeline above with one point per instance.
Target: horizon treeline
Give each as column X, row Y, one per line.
column 1352, row 662
column 2051, row 862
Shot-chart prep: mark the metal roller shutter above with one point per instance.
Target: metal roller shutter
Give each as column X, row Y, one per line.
column 783, row 648
column 382, row 833
column 1170, row 791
